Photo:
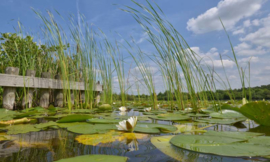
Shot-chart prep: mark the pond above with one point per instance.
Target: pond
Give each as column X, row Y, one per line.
column 53, row 143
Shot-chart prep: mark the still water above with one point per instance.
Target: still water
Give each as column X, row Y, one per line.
column 51, row 145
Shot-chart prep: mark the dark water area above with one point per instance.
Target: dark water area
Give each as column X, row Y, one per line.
column 51, row 145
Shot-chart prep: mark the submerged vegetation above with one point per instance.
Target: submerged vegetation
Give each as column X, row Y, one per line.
column 190, row 107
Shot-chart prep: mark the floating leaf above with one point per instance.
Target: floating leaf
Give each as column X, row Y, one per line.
column 65, row 125
column 223, row 143
column 91, row 129
column 162, row 143
column 103, row 121
column 197, row 115
column 257, row 111
column 220, row 121
column 99, row 158
column 45, row 125
column 6, row 114
column 146, row 129
column 105, row 107
column 226, row 114
column 74, row 118
column 240, row 135
column 21, row 128
column 170, row 116
column 108, row 137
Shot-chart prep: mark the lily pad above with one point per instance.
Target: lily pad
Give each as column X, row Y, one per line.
column 223, row 143
column 91, row 129
column 105, row 107
column 146, row 129
column 240, row 135
column 74, row 118
column 22, row 128
column 259, row 112
column 45, row 125
column 111, row 136
column 6, row 114
column 162, row 143
column 220, row 121
column 227, row 114
column 103, row 121
column 170, row 116
column 99, row 158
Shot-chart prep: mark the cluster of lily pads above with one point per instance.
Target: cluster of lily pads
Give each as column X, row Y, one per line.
column 103, row 125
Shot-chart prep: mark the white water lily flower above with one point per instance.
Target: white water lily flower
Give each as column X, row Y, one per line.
column 113, row 103
column 147, row 109
column 244, row 101
column 127, row 125
column 123, row 108
column 122, row 113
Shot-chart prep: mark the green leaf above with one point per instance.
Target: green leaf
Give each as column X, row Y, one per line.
column 220, row 121
column 173, row 117
column 105, row 107
column 257, row 111
column 21, row 128
column 225, row 143
column 97, row 158
column 226, row 114
column 162, row 143
column 103, row 121
column 45, row 125
column 91, row 129
column 74, row 118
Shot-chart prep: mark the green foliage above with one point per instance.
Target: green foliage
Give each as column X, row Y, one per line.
column 257, row 111
column 100, row 158
column 225, row 143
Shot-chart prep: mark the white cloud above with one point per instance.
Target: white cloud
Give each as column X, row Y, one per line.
column 213, row 52
column 239, row 31
column 261, row 37
column 244, row 49
column 230, row 11
column 256, row 22
column 143, row 37
column 211, row 58
column 218, row 64
column 247, row 23
column 249, row 59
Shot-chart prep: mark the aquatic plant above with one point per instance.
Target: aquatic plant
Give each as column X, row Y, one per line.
column 122, row 108
column 127, row 125
column 147, row 109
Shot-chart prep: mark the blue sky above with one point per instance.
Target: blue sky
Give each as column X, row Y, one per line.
column 247, row 22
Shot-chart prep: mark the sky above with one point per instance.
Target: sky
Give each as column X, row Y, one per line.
column 247, row 23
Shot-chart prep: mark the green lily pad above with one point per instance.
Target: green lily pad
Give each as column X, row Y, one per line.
column 257, row 111
column 173, row 117
column 146, row 129
column 220, row 121
column 240, row 135
column 261, row 140
column 197, row 115
column 224, row 143
column 6, row 114
column 99, row 158
column 227, row 114
column 162, row 143
column 21, row 128
column 74, row 118
column 103, row 121
column 45, row 125
column 105, row 107
column 91, row 129
column 65, row 125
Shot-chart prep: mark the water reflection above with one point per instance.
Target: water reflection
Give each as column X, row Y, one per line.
column 50, row 145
